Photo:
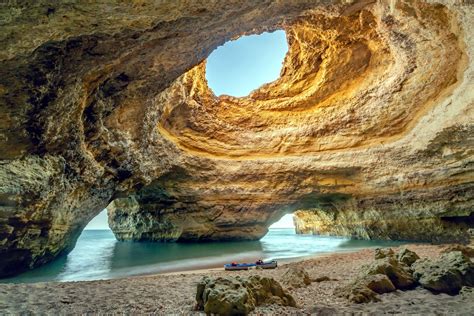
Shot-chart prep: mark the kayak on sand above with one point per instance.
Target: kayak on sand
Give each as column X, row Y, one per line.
column 245, row 266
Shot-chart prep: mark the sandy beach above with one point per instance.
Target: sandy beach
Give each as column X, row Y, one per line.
column 174, row 293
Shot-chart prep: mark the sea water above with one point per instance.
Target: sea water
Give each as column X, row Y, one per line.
column 98, row 255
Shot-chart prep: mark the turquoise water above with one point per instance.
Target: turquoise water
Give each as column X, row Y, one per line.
column 98, row 255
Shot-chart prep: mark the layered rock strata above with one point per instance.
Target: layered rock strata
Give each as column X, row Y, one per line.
column 108, row 102
column 417, row 222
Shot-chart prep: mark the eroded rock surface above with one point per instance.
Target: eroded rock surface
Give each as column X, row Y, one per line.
column 452, row 273
column 388, row 223
column 407, row 256
column 468, row 251
column 239, row 296
column 371, row 120
column 296, row 277
column 448, row 274
column 385, row 274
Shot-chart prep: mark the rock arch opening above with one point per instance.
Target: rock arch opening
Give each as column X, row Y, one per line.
column 99, row 222
column 245, row 64
column 286, row 221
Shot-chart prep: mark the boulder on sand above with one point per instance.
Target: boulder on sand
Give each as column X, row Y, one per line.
column 466, row 250
column 379, row 283
column 407, row 256
column 387, row 273
column 296, row 277
column 448, row 274
column 239, row 296
column 365, row 289
column 357, row 293
column 398, row 272
column 381, row 253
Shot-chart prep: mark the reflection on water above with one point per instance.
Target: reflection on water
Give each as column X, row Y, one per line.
column 99, row 256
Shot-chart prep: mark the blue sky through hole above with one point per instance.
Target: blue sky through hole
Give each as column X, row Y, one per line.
column 243, row 65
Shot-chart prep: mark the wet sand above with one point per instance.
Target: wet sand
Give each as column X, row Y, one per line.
column 174, row 293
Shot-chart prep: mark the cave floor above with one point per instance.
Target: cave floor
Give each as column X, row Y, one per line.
column 174, row 293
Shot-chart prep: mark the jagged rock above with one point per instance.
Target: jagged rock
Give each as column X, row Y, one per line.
column 381, row 253
column 397, row 272
column 369, row 123
column 356, row 293
column 379, row 283
column 467, row 292
column 466, row 250
column 448, row 274
column 239, row 296
column 407, row 256
column 296, row 277
column 386, row 274
column 365, row 288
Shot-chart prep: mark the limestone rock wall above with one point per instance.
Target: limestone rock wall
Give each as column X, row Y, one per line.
column 160, row 213
column 107, row 101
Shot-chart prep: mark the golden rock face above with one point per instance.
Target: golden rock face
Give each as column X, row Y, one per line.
column 372, row 115
column 347, row 82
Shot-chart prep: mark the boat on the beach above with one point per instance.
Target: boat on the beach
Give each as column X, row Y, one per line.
column 267, row 265
column 245, row 266
column 238, row 266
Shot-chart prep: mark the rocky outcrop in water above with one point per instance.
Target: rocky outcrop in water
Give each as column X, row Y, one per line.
column 372, row 114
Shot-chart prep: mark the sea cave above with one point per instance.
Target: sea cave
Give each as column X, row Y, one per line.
column 354, row 117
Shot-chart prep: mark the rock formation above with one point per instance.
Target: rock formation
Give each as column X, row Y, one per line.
column 448, row 274
column 465, row 250
column 452, row 273
column 295, row 277
column 239, row 296
column 420, row 222
column 372, row 117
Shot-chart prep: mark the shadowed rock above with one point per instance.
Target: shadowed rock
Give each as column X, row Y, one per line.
column 448, row 274
column 379, row 283
column 381, row 253
column 397, row 272
column 466, row 250
column 295, row 277
column 365, row 288
column 386, row 274
column 407, row 256
column 357, row 293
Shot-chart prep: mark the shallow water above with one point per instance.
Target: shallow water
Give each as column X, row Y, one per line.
column 98, row 255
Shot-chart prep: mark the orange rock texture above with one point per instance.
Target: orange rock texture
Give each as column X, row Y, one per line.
column 108, row 103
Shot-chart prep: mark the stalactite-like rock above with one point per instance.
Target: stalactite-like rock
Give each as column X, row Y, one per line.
column 373, row 111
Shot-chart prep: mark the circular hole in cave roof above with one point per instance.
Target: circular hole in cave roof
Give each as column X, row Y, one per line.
column 241, row 66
